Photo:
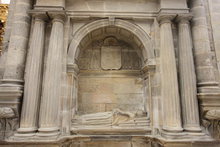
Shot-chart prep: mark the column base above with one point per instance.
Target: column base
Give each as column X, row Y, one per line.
column 192, row 129
column 173, row 129
column 26, row 132
column 185, row 135
column 11, row 83
column 211, row 89
column 24, row 135
column 46, row 132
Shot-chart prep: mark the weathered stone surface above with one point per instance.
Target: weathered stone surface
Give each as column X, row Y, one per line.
column 108, row 93
column 115, row 73
column 15, row 62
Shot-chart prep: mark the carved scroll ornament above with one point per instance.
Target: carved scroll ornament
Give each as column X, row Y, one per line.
column 6, row 112
column 212, row 122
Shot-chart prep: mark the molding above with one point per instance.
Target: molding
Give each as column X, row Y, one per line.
column 165, row 18
column 73, row 68
column 150, row 66
column 184, row 18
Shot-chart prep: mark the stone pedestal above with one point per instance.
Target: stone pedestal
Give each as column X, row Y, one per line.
column 50, row 103
column 187, row 76
column 170, row 92
column 32, row 88
column 10, row 99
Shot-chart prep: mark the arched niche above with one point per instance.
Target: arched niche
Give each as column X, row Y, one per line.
column 108, row 83
column 139, row 34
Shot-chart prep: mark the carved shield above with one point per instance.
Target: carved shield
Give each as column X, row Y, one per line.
column 111, row 57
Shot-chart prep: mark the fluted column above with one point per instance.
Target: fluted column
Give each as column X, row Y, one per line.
column 187, row 76
column 206, row 78
column 32, row 88
column 170, row 92
column 50, row 103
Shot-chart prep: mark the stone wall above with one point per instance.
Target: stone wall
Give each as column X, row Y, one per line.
column 102, row 89
column 213, row 15
column 105, row 91
column 153, row 72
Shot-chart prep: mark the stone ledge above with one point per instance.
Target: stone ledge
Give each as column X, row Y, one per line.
column 108, row 140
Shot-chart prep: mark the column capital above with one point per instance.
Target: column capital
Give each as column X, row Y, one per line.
column 57, row 16
column 39, row 15
column 149, row 66
column 73, row 68
column 184, row 18
column 165, row 18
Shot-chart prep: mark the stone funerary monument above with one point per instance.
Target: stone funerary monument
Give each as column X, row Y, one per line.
column 111, row 73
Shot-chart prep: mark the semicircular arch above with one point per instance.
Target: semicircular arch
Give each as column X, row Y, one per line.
column 88, row 28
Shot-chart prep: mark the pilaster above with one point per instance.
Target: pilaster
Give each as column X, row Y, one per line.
column 72, row 79
column 148, row 71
